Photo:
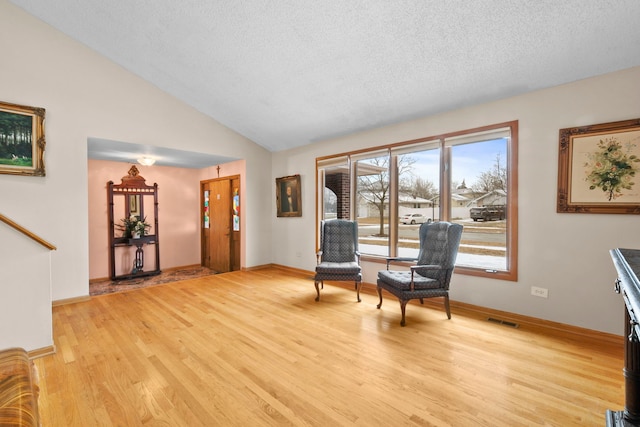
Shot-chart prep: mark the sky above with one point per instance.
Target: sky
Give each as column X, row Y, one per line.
column 469, row 161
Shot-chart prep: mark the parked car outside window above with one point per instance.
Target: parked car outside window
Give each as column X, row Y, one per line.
column 488, row 213
column 414, row 218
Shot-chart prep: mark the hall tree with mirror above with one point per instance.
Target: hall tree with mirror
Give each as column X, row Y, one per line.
column 134, row 248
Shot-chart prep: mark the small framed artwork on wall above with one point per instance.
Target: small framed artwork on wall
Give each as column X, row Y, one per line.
column 21, row 140
column 288, row 196
column 599, row 168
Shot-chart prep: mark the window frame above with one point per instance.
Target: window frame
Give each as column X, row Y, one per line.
column 511, row 272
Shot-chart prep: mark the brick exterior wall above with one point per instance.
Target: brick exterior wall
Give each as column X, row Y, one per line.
column 339, row 184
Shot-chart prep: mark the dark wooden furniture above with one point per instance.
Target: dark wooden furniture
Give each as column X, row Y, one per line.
column 18, row 389
column 627, row 263
column 126, row 199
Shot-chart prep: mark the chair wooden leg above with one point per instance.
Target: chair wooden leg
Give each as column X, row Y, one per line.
column 317, row 291
column 403, row 306
column 446, row 306
column 358, row 286
column 421, row 300
column 380, row 295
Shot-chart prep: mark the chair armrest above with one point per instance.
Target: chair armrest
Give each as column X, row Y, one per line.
column 318, row 256
column 426, row 267
column 399, row 259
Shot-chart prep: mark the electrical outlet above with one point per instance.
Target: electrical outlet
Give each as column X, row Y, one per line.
column 540, row 292
column 298, row 254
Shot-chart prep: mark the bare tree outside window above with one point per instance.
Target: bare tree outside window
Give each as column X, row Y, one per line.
column 492, row 179
column 373, row 188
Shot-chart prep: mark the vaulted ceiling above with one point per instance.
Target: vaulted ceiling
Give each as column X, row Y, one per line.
column 293, row 72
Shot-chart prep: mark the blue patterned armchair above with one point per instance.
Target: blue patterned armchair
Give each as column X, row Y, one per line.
column 430, row 277
column 338, row 257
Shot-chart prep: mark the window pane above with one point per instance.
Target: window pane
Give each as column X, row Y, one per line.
column 418, row 196
column 372, row 205
column 337, row 192
column 479, row 202
column 330, row 204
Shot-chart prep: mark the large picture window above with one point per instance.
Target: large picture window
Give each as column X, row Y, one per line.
column 468, row 177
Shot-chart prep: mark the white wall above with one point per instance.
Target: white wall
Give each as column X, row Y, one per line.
column 25, row 291
column 85, row 95
column 566, row 253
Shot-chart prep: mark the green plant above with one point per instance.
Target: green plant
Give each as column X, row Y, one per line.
column 134, row 224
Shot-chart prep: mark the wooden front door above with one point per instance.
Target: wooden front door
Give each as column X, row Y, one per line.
column 220, row 243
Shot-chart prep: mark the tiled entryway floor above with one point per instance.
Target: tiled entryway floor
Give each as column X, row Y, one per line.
column 107, row 286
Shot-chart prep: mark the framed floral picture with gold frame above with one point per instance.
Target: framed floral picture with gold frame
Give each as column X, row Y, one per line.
column 599, row 168
column 21, row 140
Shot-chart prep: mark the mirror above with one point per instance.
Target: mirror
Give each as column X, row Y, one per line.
column 134, row 204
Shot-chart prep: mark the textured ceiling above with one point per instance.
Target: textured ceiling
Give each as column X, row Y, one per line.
column 103, row 149
column 292, row 72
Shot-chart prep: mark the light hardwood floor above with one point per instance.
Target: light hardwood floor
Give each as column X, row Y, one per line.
column 254, row 348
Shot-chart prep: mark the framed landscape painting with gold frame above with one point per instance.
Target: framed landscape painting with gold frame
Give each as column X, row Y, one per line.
column 599, row 168
column 21, row 140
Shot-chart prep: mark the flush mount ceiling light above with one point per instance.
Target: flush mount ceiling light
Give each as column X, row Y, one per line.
column 146, row 161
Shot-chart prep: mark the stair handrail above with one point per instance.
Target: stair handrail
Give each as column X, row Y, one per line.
column 27, row 233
